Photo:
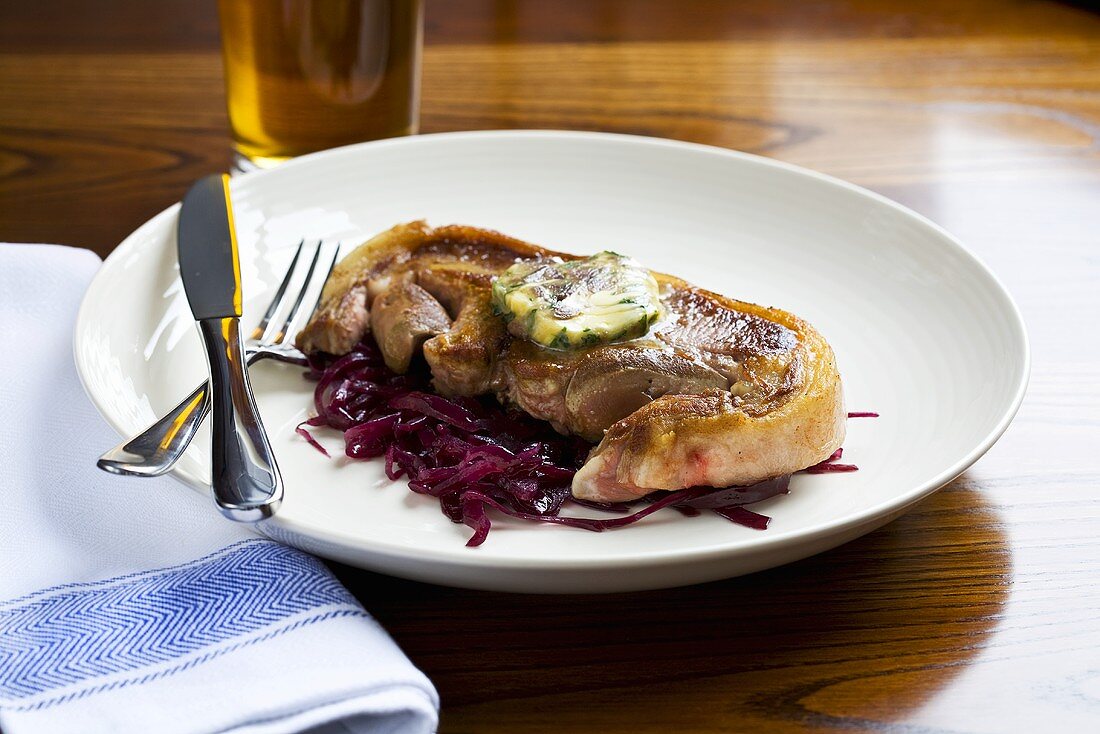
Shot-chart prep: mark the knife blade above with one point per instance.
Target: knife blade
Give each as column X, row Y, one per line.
column 209, row 262
column 245, row 478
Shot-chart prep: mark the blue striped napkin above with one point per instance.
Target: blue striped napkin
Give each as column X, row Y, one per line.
column 129, row 605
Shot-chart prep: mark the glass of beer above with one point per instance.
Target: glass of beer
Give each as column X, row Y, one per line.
column 304, row 75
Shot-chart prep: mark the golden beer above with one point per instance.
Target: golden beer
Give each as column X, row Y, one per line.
column 303, row 75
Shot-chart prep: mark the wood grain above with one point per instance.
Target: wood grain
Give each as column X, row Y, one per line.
column 980, row 609
column 900, row 611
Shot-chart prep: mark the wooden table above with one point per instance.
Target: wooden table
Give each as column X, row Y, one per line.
column 980, row 609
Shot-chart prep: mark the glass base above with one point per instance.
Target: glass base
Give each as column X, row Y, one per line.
column 244, row 164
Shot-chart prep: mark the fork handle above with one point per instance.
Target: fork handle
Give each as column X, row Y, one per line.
column 244, row 476
column 157, row 449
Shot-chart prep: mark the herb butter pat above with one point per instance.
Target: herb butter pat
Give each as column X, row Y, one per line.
column 579, row 303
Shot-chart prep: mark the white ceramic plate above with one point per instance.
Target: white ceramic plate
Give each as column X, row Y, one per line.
column 923, row 332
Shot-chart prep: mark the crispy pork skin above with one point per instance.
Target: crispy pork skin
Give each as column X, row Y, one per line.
column 719, row 393
column 784, row 412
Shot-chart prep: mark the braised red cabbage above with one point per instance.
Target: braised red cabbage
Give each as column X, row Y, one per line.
column 473, row 454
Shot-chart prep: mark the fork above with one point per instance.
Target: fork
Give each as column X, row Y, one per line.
column 156, row 449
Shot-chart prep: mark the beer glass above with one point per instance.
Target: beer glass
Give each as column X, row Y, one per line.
column 303, row 75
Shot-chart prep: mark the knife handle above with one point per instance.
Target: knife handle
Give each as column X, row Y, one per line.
column 245, row 478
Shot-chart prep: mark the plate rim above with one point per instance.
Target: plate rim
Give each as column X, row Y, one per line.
column 464, row 557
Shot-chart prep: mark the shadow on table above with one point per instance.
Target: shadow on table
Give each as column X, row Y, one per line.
column 865, row 632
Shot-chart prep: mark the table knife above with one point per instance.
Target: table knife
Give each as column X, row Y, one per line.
column 244, row 476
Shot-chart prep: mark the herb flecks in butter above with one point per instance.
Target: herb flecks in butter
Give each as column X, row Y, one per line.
column 580, row 303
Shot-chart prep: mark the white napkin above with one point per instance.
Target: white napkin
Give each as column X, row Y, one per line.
column 128, row 605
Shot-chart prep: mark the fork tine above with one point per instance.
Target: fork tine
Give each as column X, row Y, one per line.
column 276, row 331
column 277, row 299
column 293, row 325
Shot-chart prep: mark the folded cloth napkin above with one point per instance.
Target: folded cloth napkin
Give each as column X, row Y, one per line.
column 129, row 605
